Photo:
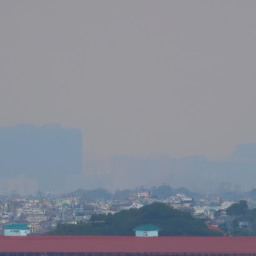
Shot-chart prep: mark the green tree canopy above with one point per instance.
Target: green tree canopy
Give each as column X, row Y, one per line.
column 172, row 222
column 237, row 209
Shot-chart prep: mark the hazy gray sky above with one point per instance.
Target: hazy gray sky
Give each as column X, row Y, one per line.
column 136, row 77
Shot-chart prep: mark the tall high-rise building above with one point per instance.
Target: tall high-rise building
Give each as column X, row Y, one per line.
column 47, row 153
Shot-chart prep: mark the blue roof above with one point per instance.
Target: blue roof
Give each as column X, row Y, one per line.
column 148, row 227
column 16, row 226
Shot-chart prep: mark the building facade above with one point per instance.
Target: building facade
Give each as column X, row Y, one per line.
column 146, row 231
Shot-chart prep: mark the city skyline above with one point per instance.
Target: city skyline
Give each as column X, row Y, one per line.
column 51, row 156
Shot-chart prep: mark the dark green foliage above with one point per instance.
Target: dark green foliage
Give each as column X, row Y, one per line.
column 242, row 232
column 237, row 209
column 223, row 227
column 250, row 216
column 172, row 221
column 240, row 212
column 235, row 223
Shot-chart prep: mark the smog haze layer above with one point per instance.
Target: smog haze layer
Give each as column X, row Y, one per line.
column 137, row 78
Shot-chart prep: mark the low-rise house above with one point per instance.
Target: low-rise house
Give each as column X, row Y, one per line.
column 14, row 229
column 36, row 218
column 148, row 230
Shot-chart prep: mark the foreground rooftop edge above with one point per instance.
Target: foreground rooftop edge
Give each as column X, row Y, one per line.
column 129, row 245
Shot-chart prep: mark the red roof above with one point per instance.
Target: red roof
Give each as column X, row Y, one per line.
column 121, row 244
column 216, row 228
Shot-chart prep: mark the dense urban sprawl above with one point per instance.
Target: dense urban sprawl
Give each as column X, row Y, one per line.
column 44, row 212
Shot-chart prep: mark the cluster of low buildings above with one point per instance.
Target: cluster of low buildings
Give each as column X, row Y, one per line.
column 40, row 214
